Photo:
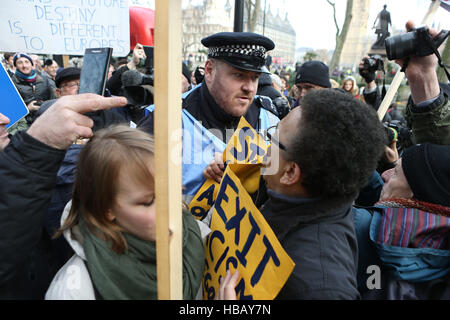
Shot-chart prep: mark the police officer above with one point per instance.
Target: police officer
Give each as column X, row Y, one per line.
column 211, row 111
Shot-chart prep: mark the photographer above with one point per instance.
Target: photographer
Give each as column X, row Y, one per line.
column 428, row 109
column 114, row 84
column 138, row 89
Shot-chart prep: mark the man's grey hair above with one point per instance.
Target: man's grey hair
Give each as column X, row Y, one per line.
column 276, row 79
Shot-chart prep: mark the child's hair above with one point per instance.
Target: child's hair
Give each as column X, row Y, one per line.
column 108, row 153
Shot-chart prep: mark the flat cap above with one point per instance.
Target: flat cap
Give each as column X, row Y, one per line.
column 67, row 74
column 242, row 50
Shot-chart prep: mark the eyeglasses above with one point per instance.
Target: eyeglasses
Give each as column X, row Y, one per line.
column 71, row 84
column 269, row 136
column 306, row 86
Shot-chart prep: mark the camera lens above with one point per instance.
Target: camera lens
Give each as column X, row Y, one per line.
column 401, row 45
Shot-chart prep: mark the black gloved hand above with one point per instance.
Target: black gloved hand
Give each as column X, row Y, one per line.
column 368, row 76
column 282, row 106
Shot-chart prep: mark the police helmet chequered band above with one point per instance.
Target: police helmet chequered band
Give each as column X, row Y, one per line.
column 243, row 49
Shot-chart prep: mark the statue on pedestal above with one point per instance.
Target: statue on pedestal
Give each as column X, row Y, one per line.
column 381, row 26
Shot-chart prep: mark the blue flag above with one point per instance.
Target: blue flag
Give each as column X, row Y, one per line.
column 12, row 104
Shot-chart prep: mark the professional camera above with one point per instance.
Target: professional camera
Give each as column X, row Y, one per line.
column 374, row 63
column 417, row 42
column 138, row 89
column 396, row 130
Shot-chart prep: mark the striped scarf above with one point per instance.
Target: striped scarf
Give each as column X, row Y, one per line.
column 414, row 224
column 28, row 78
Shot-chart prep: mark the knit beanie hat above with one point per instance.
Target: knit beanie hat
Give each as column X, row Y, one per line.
column 427, row 169
column 21, row 55
column 315, row 72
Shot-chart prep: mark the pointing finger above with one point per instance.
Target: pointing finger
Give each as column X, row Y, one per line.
column 88, row 102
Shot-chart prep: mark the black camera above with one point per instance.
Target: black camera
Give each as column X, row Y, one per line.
column 417, row 42
column 391, row 132
column 396, row 130
column 374, row 63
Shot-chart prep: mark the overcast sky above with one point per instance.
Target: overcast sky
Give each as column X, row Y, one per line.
column 313, row 19
column 314, row 25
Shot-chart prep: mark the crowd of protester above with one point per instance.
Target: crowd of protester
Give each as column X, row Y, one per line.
column 351, row 192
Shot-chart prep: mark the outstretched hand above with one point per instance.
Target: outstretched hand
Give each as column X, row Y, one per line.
column 64, row 122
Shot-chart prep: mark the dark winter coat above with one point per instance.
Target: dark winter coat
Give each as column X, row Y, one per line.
column 61, row 195
column 265, row 87
column 27, row 173
column 40, row 90
column 319, row 236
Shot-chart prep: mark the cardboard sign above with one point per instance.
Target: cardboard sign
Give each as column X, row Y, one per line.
column 64, row 26
column 245, row 146
column 244, row 154
column 241, row 239
column 150, row 4
column 12, row 104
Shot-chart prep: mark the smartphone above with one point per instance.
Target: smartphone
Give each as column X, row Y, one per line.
column 94, row 71
column 12, row 104
column 149, row 60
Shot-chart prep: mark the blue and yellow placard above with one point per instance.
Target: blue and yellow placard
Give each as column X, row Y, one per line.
column 244, row 154
column 241, row 239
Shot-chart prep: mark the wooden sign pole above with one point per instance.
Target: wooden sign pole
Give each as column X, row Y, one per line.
column 167, row 121
column 65, row 61
column 399, row 76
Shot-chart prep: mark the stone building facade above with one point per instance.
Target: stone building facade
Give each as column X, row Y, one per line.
column 199, row 21
column 211, row 16
column 280, row 31
column 358, row 42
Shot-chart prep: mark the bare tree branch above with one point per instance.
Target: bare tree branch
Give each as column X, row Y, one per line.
column 335, row 20
column 253, row 8
column 341, row 36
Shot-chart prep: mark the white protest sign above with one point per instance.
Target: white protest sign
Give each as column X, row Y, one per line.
column 64, row 26
column 143, row 3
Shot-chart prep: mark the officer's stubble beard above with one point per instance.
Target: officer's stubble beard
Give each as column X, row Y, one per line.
column 213, row 69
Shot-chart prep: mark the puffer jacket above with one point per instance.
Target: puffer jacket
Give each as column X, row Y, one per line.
column 41, row 89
